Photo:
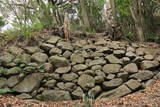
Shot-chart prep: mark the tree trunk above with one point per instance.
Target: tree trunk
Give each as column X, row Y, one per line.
column 84, row 14
column 136, row 11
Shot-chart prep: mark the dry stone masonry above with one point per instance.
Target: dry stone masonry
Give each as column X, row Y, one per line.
column 57, row 70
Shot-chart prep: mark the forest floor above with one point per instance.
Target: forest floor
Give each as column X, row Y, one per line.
column 150, row 97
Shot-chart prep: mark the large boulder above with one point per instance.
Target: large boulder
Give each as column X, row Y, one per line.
column 58, row 61
column 112, row 83
column 144, row 75
column 113, row 60
column 54, row 95
column 111, row 68
column 131, row 68
column 39, row 57
column 149, row 65
column 116, row 93
column 86, row 81
column 29, row 83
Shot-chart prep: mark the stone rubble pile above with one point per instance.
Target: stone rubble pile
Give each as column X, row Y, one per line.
column 57, row 70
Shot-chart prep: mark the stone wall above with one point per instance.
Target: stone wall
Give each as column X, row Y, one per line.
column 58, row 70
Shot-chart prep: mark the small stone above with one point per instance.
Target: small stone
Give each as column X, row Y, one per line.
column 96, row 67
column 50, row 83
column 124, row 76
column 148, row 57
column 47, row 47
column 86, row 81
column 69, row 77
column 32, row 49
column 94, row 91
column 100, row 73
column 69, row 86
column 58, row 61
column 77, row 59
column 112, row 83
column 113, row 60
column 24, row 96
column 54, row 95
column 110, row 76
column 99, row 79
column 55, row 51
column 90, row 72
column 144, row 75
column 60, row 85
column 7, row 58
column 105, row 50
column 97, row 62
column 139, row 52
column 12, row 81
column 126, row 60
column 149, row 65
column 63, row 70
column 85, row 54
column 131, row 49
column 111, row 68
column 78, row 93
column 13, row 71
column 116, row 93
column 130, row 55
column 79, row 67
column 65, row 46
column 131, row 68
column 119, row 53
column 67, row 54
column 39, row 57
column 150, row 82
column 53, row 39
column 2, row 82
column 133, row 84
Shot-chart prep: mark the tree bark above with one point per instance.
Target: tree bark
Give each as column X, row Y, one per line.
column 84, row 14
column 136, row 13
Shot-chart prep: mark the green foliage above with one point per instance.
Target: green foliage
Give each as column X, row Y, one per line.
column 2, row 23
column 5, row 90
column 41, row 68
column 28, row 31
column 2, row 70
